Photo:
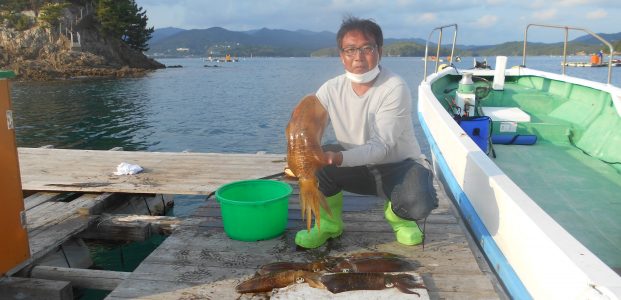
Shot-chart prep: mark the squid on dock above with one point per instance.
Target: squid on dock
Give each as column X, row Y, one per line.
column 304, row 154
column 344, row 282
column 361, row 262
column 268, row 282
column 333, row 282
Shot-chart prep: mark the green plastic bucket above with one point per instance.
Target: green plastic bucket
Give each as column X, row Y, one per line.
column 254, row 210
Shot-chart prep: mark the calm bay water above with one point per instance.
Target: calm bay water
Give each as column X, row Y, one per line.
column 238, row 107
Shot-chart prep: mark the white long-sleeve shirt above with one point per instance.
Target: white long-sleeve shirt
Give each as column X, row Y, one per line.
column 374, row 128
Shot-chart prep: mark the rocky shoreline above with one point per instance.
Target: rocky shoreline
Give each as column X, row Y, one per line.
column 40, row 54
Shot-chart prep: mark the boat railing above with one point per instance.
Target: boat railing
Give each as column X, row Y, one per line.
column 567, row 28
column 441, row 28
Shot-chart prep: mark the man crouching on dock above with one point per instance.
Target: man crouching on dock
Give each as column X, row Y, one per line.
column 370, row 109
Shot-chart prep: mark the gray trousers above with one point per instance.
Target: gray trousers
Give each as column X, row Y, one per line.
column 407, row 184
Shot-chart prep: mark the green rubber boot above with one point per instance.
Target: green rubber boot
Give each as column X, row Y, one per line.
column 406, row 231
column 331, row 226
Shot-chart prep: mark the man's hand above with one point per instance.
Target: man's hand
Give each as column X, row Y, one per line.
column 333, row 158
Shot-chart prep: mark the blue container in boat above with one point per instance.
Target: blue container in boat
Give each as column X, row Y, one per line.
column 514, row 139
column 479, row 129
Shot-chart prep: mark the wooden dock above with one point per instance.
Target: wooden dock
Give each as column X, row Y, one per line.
column 164, row 172
column 198, row 260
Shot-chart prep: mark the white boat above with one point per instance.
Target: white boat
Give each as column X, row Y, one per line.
column 546, row 210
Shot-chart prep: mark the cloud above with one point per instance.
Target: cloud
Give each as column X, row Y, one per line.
column 485, row 21
column 398, row 18
column 545, row 15
column 427, row 18
column 574, row 2
column 538, row 4
column 405, row 2
column 352, row 4
column 597, row 14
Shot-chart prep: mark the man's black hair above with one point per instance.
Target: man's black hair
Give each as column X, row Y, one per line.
column 368, row 27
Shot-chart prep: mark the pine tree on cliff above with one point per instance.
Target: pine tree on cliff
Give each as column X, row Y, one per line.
column 125, row 20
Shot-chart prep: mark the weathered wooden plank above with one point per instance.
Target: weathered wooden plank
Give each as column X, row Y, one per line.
column 222, row 290
column 201, row 253
column 101, row 203
column 371, row 220
column 192, row 281
column 134, row 227
column 38, row 198
column 203, row 262
column 165, row 290
column 470, row 295
column 184, row 256
column 81, row 278
column 52, row 223
column 117, row 231
column 358, row 209
column 456, row 282
column 159, row 224
column 165, row 173
column 370, row 217
column 50, row 213
column 147, row 280
column 44, row 241
column 28, row 288
column 73, row 253
column 356, row 225
column 432, row 240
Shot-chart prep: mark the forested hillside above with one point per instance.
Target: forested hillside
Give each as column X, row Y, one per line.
column 217, row 41
column 42, row 39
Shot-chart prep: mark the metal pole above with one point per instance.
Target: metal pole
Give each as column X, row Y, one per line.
column 565, row 44
column 565, row 50
column 524, row 49
column 453, row 48
column 425, row 58
column 438, row 51
column 439, row 45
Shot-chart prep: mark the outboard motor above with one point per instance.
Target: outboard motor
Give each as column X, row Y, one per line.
column 481, row 64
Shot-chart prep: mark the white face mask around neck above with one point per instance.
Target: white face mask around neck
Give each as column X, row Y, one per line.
column 365, row 77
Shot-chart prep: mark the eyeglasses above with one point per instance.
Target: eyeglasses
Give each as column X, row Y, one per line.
column 366, row 50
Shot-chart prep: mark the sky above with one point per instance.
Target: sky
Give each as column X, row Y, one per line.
column 480, row 22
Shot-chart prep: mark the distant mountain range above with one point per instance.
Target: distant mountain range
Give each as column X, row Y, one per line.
column 217, row 41
column 588, row 39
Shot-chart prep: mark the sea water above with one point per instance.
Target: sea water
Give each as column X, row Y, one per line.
column 236, row 107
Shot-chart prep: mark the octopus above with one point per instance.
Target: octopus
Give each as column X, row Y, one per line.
column 305, row 156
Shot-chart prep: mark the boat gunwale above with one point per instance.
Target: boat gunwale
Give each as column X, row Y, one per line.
column 587, row 271
column 615, row 92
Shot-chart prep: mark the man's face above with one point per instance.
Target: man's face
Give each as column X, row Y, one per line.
column 359, row 61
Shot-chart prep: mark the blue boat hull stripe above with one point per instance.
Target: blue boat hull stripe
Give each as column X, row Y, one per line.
column 509, row 278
